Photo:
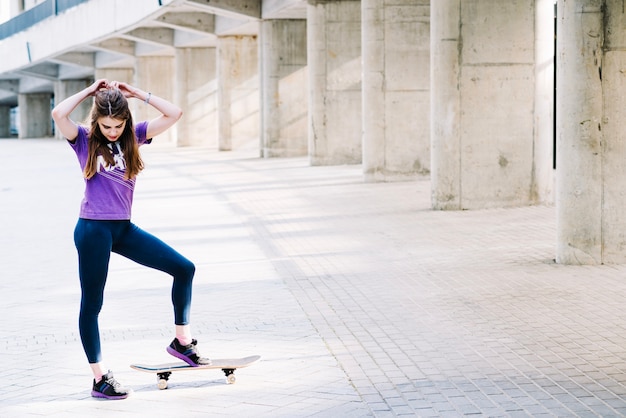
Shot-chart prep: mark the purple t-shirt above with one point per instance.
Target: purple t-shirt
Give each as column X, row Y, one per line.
column 108, row 195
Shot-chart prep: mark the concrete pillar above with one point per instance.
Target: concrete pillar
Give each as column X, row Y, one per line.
column 64, row 89
column 196, row 94
column 482, row 93
column 396, row 89
column 5, row 121
column 591, row 223
column 284, row 88
column 445, row 30
column 35, row 120
column 613, row 127
column 238, row 92
column 126, row 75
column 543, row 159
column 155, row 74
column 579, row 115
column 334, row 55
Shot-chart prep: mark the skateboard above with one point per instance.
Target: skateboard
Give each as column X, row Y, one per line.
column 228, row 366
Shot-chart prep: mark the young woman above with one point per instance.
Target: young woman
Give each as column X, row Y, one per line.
column 108, row 153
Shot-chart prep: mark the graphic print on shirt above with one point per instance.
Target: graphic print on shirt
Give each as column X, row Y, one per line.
column 115, row 172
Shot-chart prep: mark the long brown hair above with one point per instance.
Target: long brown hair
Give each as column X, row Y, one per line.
column 112, row 103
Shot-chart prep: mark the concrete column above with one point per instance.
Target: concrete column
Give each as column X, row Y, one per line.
column 334, row 55
column 5, row 121
column 445, row 30
column 155, row 74
column 196, row 93
column 64, row 89
column 127, row 75
column 396, row 89
column 543, row 159
column 284, row 88
column 35, row 120
column 613, row 127
column 591, row 223
column 579, row 114
column 238, row 91
column 482, row 92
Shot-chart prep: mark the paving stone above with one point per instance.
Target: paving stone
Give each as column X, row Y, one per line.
column 362, row 301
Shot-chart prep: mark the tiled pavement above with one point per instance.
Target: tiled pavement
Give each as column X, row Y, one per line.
column 361, row 300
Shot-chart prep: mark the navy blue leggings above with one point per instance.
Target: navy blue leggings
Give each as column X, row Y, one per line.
column 95, row 240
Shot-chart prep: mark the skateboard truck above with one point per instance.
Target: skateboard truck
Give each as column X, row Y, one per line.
column 163, row 377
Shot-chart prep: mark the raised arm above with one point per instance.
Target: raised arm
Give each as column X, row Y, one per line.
column 170, row 113
column 61, row 112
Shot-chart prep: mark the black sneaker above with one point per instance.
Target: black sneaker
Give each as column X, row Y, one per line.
column 187, row 353
column 109, row 388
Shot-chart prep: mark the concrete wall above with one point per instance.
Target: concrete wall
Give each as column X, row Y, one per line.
column 482, row 103
column 284, row 88
column 396, row 89
column 334, row 51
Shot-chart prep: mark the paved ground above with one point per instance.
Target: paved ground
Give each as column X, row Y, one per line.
column 362, row 301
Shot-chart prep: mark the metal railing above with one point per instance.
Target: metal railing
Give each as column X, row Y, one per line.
column 35, row 15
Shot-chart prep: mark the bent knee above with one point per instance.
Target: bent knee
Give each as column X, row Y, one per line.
column 188, row 270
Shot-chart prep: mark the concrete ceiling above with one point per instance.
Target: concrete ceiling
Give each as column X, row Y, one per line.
column 181, row 24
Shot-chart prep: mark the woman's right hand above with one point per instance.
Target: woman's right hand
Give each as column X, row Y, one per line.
column 98, row 85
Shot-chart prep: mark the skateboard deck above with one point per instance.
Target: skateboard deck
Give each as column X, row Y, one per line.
column 165, row 370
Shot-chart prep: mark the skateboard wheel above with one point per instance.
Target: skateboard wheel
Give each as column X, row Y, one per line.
column 162, row 383
column 231, row 379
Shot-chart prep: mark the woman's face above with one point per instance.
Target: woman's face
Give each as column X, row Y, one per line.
column 111, row 128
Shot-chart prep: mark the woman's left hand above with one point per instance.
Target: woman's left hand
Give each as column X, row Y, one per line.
column 127, row 90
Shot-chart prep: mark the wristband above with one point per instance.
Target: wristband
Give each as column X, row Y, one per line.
column 147, row 101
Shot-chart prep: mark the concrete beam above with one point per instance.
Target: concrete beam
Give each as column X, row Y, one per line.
column 203, row 23
column 30, row 84
column 184, row 39
column 46, row 71
column 155, row 36
column 75, row 65
column 146, row 49
column 283, row 9
column 83, row 59
column 225, row 26
column 71, row 72
column 105, row 59
column 8, row 99
column 231, row 8
column 12, row 86
column 117, row 45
